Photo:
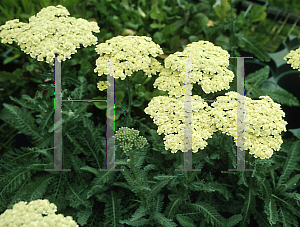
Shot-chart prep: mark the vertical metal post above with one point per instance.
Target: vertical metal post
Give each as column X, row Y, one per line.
column 110, row 120
column 240, row 116
column 57, row 119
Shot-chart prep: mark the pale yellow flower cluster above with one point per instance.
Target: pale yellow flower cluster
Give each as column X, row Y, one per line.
column 129, row 139
column 168, row 113
column 102, row 85
column 263, row 122
column 263, row 119
column 209, row 69
column 294, row 58
column 39, row 213
column 133, row 51
column 51, row 32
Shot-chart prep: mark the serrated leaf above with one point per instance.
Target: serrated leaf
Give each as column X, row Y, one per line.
column 23, row 121
column 253, row 46
column 90, row 169
column 282, row 96
column 272, row 212
column 83, row 215
column 292, row 182
column 233, row 220
column 185, row 221
column 258, row 77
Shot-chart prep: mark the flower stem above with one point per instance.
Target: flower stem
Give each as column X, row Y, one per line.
column 129, row 104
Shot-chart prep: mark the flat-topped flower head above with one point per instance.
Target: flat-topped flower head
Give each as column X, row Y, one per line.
column 263, row 122
column 294, row 58
column 209, row 69
column 168, row 114
column 50, row 33
column 36, row 213
column 131, row 53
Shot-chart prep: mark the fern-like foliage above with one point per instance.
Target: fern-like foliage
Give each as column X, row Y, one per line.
column 253, row 82
column 162, row 220
column 248, row 208
column 258, row 77
column 113, row 211
column 185, row 221
column 23, row 121
column 37, row 189
column 210, row 214
column 290, row 164
column 252, row 46
column 282, row 96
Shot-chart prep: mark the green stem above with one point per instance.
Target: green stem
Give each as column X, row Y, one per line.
column 42, row 66
column 129, row 104
column 233, row 32
column 281, row 200
column 121, row 105
column 117, row 100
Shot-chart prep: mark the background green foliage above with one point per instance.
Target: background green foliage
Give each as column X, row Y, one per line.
column 291, row 5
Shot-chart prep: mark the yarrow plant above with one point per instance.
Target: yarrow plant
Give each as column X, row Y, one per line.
column 168, row 114
column 263, row 123
column 294, row 58
column 210, row 70
column 209, row 63
column 133, row 51
column 36, row 213
column 51, row 32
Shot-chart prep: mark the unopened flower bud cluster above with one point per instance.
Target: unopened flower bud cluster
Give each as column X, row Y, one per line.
column 294, row 58
column 263, row 122
column 209, row 69
column 31, row 215
column 51, row 32
column 129, row 139
column 102, row 85
column 133, row 51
